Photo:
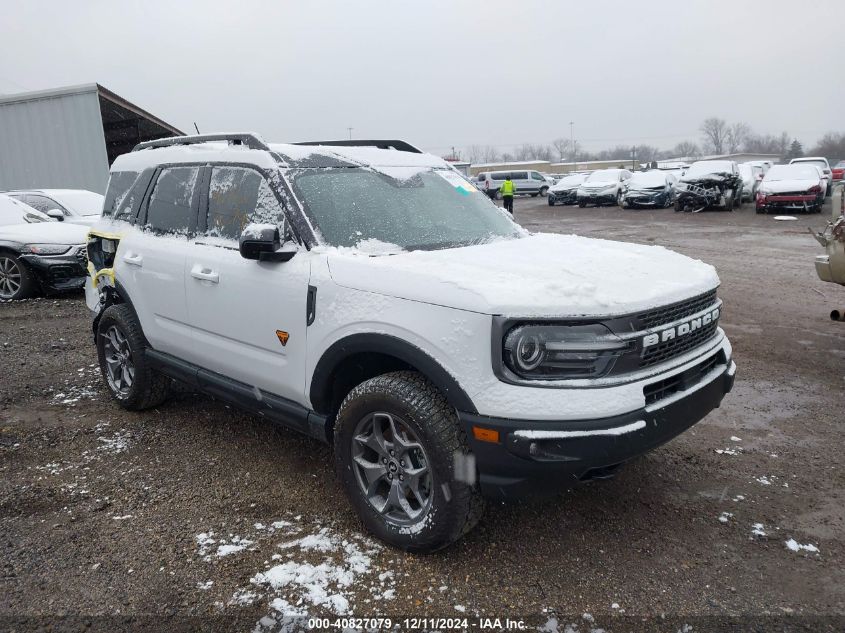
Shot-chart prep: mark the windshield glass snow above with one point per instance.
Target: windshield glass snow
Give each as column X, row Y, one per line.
column 430, row 209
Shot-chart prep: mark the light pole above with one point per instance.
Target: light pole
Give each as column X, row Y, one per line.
column 572, row 142
column 350, row 132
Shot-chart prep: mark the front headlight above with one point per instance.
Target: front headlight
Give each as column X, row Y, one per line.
column 49, row 249
column 559, row 352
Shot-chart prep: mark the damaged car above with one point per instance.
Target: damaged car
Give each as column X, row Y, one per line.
column 794, row 187
column 710, row 184
column 566, row 190
column 602, row 187
column 36, row 254
column 649, row 189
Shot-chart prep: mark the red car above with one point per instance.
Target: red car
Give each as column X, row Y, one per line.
column 838, row 170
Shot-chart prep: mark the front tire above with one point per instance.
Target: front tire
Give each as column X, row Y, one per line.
column 395, row 442
column 123, row 365
column 551, row 201
column 544, row 191
column 16, row 281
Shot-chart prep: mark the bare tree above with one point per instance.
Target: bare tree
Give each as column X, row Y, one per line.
column 488, row 154
column 831, row 146
column 473, row 153
column 686, row 149
column 735, row 136
column 563, row 147
column 714, row 130
column 645, row 153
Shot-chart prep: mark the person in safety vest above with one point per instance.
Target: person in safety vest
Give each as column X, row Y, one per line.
column 507, row 190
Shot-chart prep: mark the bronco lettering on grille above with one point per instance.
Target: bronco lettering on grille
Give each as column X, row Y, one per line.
column 681, row 329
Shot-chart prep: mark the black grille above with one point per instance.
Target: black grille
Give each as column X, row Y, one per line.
column 679, row 382
column 667, row 314
column 82, row 257
column 677, row 346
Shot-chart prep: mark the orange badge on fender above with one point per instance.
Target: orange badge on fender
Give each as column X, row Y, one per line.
column 283, row 337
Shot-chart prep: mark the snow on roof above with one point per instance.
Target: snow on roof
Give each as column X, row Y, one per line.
column 370, row 156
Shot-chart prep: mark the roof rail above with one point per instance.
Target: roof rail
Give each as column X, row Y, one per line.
column 402, row 146
column 250, row 140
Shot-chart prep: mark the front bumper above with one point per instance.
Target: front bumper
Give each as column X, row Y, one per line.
column 563, row 197
column 58, row 272
column 596, row 198
column 794, row 202
column 543, row 456
column 646, row 199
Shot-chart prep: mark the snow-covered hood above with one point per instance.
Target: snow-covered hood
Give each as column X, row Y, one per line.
column 562, row 187
column 540, row 275
column 599, row 184
column 45, row 233
column 785, row 186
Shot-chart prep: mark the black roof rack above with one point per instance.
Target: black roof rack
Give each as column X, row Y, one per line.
column 250, row 140
column 402, row 146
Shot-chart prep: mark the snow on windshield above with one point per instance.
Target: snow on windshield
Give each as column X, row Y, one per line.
column 707, row 167
column 16, row 212
column 571, row 181
column 431, row 209
column 647, row 179
column 796, row 171
column 603, row 175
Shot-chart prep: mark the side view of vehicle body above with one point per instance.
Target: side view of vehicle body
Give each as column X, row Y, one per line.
column 751, row 177
column 75, row 206
column 654, row 188
column 531, row 183
column 790, row 188
column 375, row 300
column 709, row 184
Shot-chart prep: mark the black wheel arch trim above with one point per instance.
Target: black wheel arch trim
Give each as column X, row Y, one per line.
column 321, row 380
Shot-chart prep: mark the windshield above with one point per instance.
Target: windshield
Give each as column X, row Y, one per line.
column 16, row 212
column 428, row 209
column 796, row 171
column 82, row 202
column 603, row 175
column 647, row 179
column 706, row 167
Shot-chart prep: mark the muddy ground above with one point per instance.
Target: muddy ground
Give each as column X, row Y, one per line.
column 179, row 511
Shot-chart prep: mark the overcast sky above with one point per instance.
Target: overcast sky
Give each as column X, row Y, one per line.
column 444, row 73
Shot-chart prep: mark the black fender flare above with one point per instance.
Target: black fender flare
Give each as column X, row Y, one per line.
column 115, row 294
column 321, row 380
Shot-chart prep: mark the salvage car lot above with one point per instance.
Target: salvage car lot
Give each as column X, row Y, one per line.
column 196, row 509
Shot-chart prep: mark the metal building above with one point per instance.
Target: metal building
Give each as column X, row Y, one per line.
column 66, row 138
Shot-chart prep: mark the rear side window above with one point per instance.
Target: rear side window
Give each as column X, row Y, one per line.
column 499, row 175
column 119, row 184
column 238, row 196
column 519, row 175
column 170, row 209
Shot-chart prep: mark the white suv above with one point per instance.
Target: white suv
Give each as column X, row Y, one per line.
column 373, row 298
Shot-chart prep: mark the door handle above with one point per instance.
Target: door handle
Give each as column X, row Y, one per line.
column 133, row 259
column 204, row 273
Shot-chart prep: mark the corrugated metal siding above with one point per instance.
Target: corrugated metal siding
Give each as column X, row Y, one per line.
column 56, row 142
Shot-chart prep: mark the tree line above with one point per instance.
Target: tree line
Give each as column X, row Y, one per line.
column 718, row 136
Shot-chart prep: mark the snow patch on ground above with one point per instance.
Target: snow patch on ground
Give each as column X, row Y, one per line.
column 725, row 517
column 206, row 542
column 758, row 530
column 81, row 386
column 794, row 546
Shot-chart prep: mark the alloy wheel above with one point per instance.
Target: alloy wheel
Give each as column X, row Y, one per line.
column 392, row 468
column 120, row 368
column 10, row 278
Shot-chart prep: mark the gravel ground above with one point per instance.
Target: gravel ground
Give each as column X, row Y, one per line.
column 194, row 510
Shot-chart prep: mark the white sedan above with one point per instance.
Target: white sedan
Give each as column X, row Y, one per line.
column 76, row 206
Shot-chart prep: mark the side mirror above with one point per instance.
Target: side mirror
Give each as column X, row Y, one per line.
column 56, row 215
column 262, row 242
